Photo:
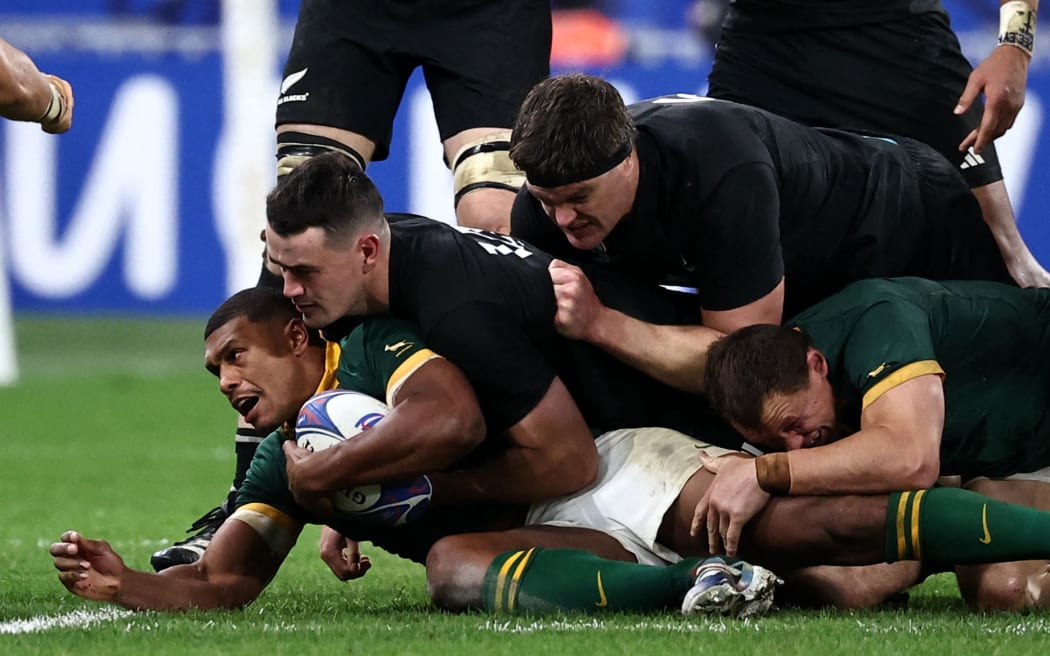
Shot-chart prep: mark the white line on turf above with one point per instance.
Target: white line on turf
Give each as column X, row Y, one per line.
column 73, row 620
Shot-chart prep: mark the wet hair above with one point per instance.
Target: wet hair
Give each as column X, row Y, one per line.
column 328, row 191
column 749, row 365
column 257, row 305
column 571, row 128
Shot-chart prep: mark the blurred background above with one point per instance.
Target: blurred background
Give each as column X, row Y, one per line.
column 152, row 204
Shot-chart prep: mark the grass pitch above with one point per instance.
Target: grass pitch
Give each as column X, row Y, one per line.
column 117, row 431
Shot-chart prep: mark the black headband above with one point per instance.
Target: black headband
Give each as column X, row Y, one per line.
column 596, row 169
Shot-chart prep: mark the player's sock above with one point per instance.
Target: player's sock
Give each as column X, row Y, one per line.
column 571, row 579
column 957, row 526
column 247, row 441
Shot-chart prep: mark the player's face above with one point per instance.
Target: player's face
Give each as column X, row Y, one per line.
column 799, row 420
column 588, row 211
column 258, row 371
column 322, row 276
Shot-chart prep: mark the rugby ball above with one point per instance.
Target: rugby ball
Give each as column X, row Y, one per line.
column 331, row 417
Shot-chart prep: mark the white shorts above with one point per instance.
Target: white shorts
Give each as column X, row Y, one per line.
column 1039, row 475
column 641, row 472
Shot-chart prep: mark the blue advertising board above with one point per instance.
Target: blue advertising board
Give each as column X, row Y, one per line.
column 125, row 213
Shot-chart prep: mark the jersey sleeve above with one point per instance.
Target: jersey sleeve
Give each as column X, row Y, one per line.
column 264, row 501
column 508, row 373
column 890, row 344
column 379, row 355
column 740, row 258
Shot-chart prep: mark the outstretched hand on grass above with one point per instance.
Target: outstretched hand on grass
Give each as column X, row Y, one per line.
column 88, row 568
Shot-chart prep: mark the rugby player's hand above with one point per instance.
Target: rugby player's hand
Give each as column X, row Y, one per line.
column 297, row 466
column 578, row 305
column 343, row 555
column 88, row 568
column 64, row 120
column 1002, row 78
column 730, row 502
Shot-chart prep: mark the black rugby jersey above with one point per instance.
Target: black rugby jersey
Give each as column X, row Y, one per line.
column 486, row 303
column 732, row 198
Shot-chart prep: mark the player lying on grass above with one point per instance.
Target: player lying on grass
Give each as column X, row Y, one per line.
column 485, row 302
column 268, row 365
column 888, row 385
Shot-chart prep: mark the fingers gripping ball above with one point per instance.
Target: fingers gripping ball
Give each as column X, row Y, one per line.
column 331, row 417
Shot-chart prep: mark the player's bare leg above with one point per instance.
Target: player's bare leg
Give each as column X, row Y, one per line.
column 999, row 215
column 796, row 531
column 1015, row 585
column 549, row 568
column 456, row 565
column 486, row 182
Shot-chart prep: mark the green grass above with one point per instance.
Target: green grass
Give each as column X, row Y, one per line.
column 116, row 431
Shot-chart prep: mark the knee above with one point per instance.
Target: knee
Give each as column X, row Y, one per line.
column 1004, row 593
column 450, row 583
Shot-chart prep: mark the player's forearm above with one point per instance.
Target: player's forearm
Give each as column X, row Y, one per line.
column 179, row 588
column 25, row 92
column 675, row 355
column 414, row 439
column 872, row 461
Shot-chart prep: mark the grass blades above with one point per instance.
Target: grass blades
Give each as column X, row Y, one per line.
column 117, row 431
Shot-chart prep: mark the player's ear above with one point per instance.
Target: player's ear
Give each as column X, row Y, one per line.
column 816, row 362
column 370, row 248
column 297, row 334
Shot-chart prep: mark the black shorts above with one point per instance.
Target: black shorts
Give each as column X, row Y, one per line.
column 479, row 59
column 900, row 77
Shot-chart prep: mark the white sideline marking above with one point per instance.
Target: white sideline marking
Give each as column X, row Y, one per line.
column 696, row 625
column 76, row 619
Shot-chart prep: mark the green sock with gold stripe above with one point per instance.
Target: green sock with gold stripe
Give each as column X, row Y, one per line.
column 960, row 527
column 543, row 580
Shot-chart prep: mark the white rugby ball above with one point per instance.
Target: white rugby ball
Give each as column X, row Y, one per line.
column 331, row 417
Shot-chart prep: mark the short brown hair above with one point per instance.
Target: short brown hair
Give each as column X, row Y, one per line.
column 749, row 365
column 328, row 191
column 568, row 126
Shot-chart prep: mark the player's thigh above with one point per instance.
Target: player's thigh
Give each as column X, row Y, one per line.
column 482, row 60
column 641, row 473
column 1013, row 585
column 339, row 72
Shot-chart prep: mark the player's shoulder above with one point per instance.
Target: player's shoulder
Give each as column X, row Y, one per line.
column 406, row 219
column 882, row 290
column 379, row 332
column 678, row 106
column 269, row 455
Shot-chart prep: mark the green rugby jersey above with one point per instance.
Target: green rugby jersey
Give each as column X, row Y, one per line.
column 375, row 358
column 989, row 342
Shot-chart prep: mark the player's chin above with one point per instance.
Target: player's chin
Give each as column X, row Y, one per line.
column 585, row 238
column 314, row 316
column 262, row 418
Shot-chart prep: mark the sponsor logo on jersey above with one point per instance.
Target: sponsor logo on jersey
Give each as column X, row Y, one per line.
column 398, row 348
column 877, row 370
